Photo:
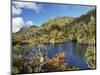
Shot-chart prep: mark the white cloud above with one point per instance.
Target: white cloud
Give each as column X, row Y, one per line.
column 27, row 5
column 29, row 23
column 17, row 24
column 16, row 11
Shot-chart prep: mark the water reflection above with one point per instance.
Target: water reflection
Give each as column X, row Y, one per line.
column 74, row 53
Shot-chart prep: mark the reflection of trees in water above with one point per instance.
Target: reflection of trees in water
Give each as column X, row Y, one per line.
column 79, row 49
column 38, row 63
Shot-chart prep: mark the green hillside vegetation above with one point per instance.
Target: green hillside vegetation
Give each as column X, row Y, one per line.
column 91, row 57
column 61, row 29
column 58, row 30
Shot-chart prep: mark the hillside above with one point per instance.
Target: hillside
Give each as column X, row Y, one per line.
column 85, row 18
column 60, row 21
column 60, row 29
column 55, row 31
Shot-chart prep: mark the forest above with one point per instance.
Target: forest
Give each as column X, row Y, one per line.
column 55, row 31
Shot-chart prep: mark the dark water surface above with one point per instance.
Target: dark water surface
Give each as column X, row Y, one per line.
column 74, row 53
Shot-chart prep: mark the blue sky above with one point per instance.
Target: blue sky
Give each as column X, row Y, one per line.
column 39, row 13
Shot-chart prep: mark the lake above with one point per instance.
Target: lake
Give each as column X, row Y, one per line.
column 74, row 53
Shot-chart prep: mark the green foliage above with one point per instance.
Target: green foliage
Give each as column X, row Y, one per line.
column 57, row 30
column 19, row 50
column 14, row 70
column 91, row 57
column 60, row 29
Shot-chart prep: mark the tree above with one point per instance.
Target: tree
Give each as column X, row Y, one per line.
column 91, row 57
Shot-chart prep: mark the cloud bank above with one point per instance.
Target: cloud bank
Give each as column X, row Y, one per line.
column 17, row 7
column 17, row 24
column 29, row 23
column 16, row 11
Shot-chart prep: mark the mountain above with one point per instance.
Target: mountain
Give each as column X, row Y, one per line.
column 59, row 21
column 85, row 18
column 60, row 29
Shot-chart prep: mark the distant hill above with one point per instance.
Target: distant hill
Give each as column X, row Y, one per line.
column 82, row 29
column 85, row 18
column 60, row 21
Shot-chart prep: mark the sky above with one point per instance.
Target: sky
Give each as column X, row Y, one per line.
column 25, row 14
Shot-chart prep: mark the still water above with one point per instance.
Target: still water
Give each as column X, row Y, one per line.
column 74, row 53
